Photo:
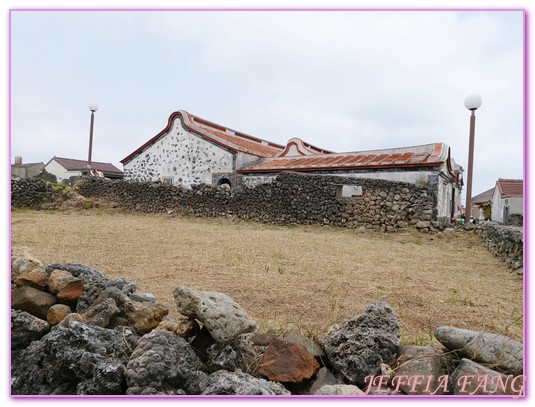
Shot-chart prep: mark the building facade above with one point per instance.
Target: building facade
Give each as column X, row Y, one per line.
column 65, row 169
column 507, row 200
column 191, row 150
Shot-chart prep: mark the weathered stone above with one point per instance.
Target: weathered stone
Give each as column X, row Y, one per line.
column 59, row 279
column 239, row 383
column 145, row 316
column 184, row 327
column 323, row 377
column 419, row 361
column 143, row 297
column 313, row 347
column 25, row 328
column 357, row 348
column 101, row 314
column 422, row 224
column 339, row 390
column 163, row 363
column 85, row 273
column 262, row 338
column 219, row 313
column 24, row 264
column 285, row 361
column 470, row 378
column 81, row 359
column 497, row 350
column 56, row 313
column 71, row 292
column 240, row 354
column 37, row 278
column 31, row 300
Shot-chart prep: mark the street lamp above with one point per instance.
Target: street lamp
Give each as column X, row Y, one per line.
column 93, row 107
column 472, row 103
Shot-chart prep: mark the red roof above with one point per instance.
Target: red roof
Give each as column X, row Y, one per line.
column 510, row 187
column 73, row 165
column 428, row 155
column 217, row 134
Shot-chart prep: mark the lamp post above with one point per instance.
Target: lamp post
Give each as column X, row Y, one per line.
column 472, row 103
column 93, row 107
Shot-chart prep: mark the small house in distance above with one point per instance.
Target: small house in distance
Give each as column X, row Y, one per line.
column 20, row 170
column 508, row 200
column 191, row 150
column 482, row 204
column 66, row 168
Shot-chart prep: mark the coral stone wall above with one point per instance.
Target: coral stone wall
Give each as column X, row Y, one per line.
column 30, row 192
column 507, row 243
column 289, row 198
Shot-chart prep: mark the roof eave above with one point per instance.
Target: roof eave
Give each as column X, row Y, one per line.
column 307, row 169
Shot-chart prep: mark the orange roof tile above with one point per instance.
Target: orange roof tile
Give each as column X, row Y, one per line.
column 217, row 134
column 510, row 187
column 428, row 155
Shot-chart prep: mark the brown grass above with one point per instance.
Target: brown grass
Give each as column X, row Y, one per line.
column 300, row 279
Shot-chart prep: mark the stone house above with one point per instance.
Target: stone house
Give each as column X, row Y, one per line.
column 507, row 200
column 191, row 150
column 66, row 168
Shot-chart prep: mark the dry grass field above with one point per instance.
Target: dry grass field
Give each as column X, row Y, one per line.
column 294, row 278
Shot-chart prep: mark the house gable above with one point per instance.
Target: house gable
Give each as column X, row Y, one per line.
column 179, row 157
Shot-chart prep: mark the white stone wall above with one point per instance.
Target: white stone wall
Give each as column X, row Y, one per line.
column 60, row 172
column 181, row 157
column 498, row 203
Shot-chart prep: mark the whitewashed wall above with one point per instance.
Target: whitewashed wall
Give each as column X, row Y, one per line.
column 184, row 157
column 60, row 172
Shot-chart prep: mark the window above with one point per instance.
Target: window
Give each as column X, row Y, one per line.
column 224, row 181
column 348, row 191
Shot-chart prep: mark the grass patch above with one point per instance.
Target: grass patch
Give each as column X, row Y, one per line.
column 290, row 279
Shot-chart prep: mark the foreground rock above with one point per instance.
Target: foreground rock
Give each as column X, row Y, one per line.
column 163, row 363
column 416, row 361
column 219, row 313
column 287, row 362
column 82, row 359
column 339, row 390
column 32, row 300
column 25, row 328
column 470, row 378
column 494, row 349
column 358, row 347
column 240, row 383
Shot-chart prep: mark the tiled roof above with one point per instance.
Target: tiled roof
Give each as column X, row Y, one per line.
column 428, row 155
column 510, row 187
column 73, row 165
column 484, row 197
column 217, row 134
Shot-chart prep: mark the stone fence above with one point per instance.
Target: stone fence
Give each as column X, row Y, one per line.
column 290, row 198
column 506, row 242
column 31, row 192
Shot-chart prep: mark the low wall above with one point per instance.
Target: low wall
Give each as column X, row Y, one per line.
column 31, row 193
column 506, row 242
column 290, row 198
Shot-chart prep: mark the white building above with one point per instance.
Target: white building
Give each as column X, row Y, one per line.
column 191, row 150
column 65, row 168
column 508, row 199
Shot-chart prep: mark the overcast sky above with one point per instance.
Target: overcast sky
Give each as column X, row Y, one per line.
column 343, row 81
